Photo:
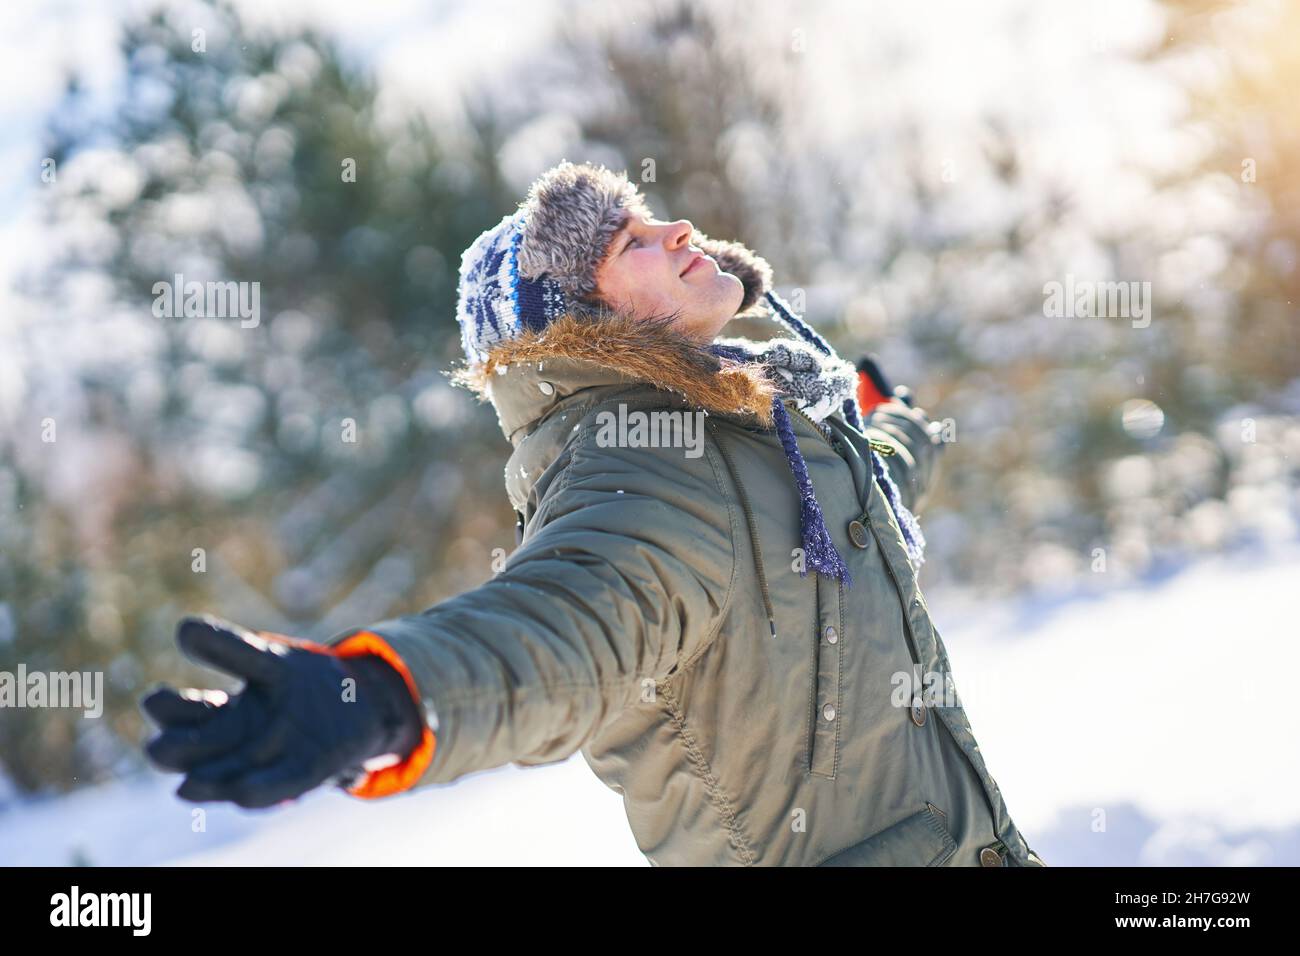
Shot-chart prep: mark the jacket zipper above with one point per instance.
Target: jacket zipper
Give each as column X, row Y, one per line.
column 794, row 407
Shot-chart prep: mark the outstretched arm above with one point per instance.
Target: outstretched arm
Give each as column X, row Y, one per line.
column 624, row 577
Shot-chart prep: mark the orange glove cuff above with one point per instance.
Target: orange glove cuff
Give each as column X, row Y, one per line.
column 400, row 776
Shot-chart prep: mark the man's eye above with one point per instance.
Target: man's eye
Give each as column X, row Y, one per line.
column 630, row 243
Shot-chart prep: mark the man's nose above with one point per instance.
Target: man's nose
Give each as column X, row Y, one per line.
column 679, row 233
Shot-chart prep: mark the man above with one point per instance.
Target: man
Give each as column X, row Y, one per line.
column 734, row 639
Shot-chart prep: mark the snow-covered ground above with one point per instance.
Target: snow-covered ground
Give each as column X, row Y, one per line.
column 1148, row 727
column 1151, row 725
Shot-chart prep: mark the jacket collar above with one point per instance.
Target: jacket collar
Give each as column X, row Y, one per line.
column 526, row 377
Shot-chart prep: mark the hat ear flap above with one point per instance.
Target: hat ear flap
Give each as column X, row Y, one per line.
column 752, row 270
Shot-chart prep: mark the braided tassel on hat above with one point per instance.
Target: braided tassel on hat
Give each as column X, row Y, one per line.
column 820, row 552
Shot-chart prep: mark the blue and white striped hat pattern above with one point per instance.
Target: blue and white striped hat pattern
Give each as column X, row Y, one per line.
column 540, row 261
column 496, row 301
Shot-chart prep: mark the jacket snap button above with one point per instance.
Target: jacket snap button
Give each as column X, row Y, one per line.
column 546, row 387
column 858, row 534
column 990, row 857
column 918, row 712
column 831, row 635
column 828, row 712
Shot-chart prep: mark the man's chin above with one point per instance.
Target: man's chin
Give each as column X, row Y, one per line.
column 738, row 291
column 702, row 332
column 714, row 329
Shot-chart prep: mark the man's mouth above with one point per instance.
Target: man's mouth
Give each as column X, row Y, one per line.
column 695, row 261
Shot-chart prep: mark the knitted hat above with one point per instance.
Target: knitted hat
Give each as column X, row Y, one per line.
column 539, row 263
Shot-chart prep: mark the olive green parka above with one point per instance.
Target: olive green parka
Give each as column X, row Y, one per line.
column 654, row 617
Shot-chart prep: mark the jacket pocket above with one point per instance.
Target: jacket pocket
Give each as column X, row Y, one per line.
column 921, row 839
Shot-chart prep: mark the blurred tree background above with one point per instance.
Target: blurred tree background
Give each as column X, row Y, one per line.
column 201, row 465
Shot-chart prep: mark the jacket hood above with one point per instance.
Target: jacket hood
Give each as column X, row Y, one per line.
column 526, row 376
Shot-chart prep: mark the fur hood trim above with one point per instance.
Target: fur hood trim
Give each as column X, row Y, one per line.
column 644, row 350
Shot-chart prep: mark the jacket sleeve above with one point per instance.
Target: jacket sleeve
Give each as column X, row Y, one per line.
column 913, row 467
column 623, row 576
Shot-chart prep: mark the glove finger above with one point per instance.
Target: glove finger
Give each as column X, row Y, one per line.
column 264, row 749
column 271, row 785
column 167, row 706
column 284, row 780
column 205, row 791
column 230, row 648
column 181, row 747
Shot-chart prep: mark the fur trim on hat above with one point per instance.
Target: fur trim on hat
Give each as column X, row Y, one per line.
column 645, row 350
column 572, row 212
column 752, row 270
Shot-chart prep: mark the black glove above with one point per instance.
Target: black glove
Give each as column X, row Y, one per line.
column 294, row 726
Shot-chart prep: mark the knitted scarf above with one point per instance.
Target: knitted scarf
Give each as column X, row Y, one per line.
column 821, row 383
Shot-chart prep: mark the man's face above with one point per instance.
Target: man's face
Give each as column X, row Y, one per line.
column 651, row 269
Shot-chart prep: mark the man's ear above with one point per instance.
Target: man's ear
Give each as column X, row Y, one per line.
column 732, row 257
